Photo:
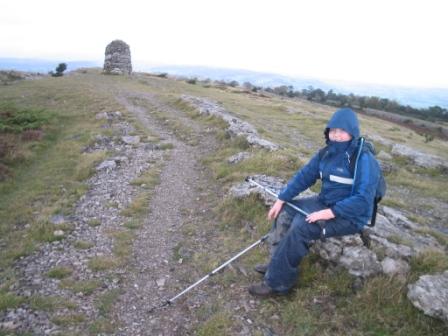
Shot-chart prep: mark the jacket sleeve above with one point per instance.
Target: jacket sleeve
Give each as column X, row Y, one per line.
column 302, row 180
column 361, row 201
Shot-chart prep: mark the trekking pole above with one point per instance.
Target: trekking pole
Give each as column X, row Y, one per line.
column 269, row 191
column 216, row 270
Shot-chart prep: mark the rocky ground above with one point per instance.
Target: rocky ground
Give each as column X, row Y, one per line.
column 177, row 226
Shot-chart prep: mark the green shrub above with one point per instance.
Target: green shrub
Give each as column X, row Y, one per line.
column 13, row 119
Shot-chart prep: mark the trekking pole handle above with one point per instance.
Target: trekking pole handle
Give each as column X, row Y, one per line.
column 269, row 191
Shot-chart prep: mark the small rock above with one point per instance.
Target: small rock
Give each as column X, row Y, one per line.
column 160, row 282
column 57, row 219
column 238, row 157
column 131, row 140
column 10, row 325
column 102, row 115
column 58, row 233
column 107, row 165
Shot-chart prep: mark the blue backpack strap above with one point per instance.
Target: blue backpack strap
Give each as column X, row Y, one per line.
column 356, row 162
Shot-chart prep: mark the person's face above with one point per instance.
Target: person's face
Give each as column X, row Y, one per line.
column 339, row 135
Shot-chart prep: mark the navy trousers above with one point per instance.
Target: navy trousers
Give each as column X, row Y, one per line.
column 283, row 269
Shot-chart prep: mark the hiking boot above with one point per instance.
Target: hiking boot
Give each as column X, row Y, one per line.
column 261, row 268
column 261, row 289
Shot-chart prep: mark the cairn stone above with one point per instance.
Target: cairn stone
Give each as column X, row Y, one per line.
column 117, row 59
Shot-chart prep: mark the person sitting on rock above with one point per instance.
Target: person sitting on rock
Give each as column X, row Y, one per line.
column 343, row 205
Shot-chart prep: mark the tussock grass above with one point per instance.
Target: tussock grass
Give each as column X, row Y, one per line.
column 50, row 303
column 105, row 302
column 216, row 325
column 439, row 236
column 102, row 263
column 278, row 163
column 83, row 245
column 94, row 222
column 85, row 287
column 148, row 180
column 427, row 263
column 166, row 146
column 423, row 185
column 105, row 324
column 123, row 244
column 236, row 214
column 85, row 167
column 8, row 300
column 133, row 224
column 68, row 320
column 60, row 272
column 102, row 326
column 399, row 240
column 138, row 207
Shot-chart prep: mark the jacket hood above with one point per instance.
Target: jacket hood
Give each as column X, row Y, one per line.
column 346, row 119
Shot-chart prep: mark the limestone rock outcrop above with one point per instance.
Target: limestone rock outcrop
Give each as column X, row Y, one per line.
column 117, row 59
column 237, row 127
column 430, row 294
column 395, row 237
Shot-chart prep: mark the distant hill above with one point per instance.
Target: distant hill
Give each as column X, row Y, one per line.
column 415, row 97
column 41, row 65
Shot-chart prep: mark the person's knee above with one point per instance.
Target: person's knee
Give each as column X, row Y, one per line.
column 306, row 231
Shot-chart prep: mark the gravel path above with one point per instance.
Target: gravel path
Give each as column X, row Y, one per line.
column 176, row 200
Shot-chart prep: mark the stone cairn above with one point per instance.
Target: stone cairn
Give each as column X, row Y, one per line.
column 117, row 59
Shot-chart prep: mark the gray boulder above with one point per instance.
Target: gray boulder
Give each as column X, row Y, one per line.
column 396, row 267
column 275, row 184
column 420, row 159
column 244, row 189
column 107, row 165
column 108, row 115
column 238, row 157
column 379, row 139
column 360, row 261
column 430, row 294
column 350, row 253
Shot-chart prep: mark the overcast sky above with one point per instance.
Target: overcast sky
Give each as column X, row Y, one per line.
column 377, row 41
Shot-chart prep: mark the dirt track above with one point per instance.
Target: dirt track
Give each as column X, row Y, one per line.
column 158, row 275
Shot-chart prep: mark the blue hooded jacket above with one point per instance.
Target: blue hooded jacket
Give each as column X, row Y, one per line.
column 352, row 200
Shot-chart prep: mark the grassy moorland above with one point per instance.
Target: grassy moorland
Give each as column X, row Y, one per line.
column 43, row 171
